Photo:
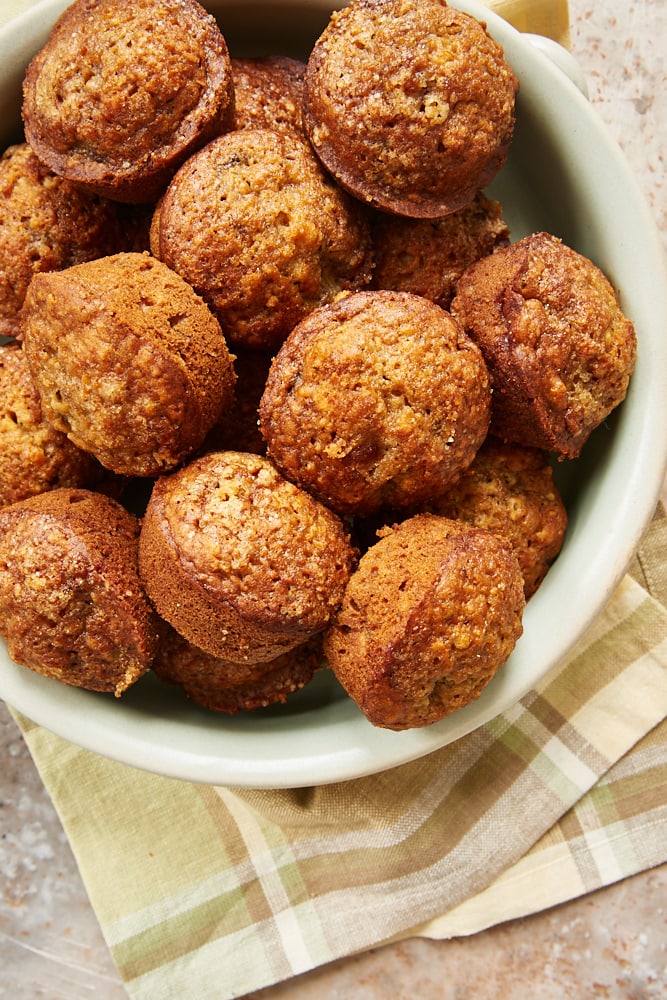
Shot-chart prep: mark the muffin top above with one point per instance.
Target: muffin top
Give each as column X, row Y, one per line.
column 376, row 400
column 71, row 603
column 268, row 92
column 128, row 361
column 431, row 613
column 47, row 223
column 559, row 348
column 259, row 230
column 122, row 92
column 410, row 104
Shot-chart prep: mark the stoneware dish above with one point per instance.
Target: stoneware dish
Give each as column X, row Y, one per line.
column 564, row 174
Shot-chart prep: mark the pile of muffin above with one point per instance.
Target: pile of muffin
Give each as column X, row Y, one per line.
column 277, row 391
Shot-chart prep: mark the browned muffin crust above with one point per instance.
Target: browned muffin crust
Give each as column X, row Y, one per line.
column 510, row 490
column 431, row 613
column 128, row 361
column 71, row 603
column 262, row 234
column 121, row 93
column 34, row 457
column 268, row 93
column 560, row 350
column 243, row 564
column 226, row 686
column 410, row 104
column 46, row 224
column 428, row 256
column 376, row 400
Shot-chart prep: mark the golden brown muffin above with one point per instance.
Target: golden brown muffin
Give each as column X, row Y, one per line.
column 71, row 603
column 268, row 93
column 262, row 234
column 128, row 361
column 225, row 686
column 559, row 349
column 121, row 93
column 46, row 224
column 431, row 613
column 510, row 490
column 428, row 256
column 410, row 104
column 376, row 400
column 34, row 457
column 243, row 564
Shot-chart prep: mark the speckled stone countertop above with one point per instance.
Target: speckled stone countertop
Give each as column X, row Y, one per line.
column 611, row 944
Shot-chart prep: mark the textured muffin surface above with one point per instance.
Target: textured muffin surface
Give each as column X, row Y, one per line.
column 410, row 104
column 46, row 223
column 559, row 348
column 34, row 457
column 71, row 603
column 239, row 561
column 377, row 400
column 431, row 613
column 510, row 490
column 255, row 226
column 122, row 92
column 128, row 361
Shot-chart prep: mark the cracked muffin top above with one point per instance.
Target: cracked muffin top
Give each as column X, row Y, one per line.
column 122, row 92
column 410, row 104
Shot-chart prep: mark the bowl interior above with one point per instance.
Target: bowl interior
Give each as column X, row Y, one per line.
column 565, row 175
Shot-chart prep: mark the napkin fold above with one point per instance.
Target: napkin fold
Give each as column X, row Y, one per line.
column 208, row 891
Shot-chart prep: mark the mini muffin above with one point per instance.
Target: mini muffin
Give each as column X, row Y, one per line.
column 225, row 686
column 376, row 400
column 428, row 256
column 34, row 457
column 128, row 361
column 410, row 104
column 240, row 562
column 431, row 613
column 510, row 490
column 121, row 93
column 559, row 349
column 46, row 224
column 71, row 603
column 268, row 93
column 262, row 234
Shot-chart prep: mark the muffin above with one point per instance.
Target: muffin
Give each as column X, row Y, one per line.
column 256, row 227
column 268, row 93
column 428, row 256
column 240, row 562
column 71, row 604
column 128, row 361
column 46, row 224
column 431, row 613
column 559, row 349
column 115, row 105
column 376, row 400
column 225, row 686
column 510, row 490
column 34, row 457
column 409, row 104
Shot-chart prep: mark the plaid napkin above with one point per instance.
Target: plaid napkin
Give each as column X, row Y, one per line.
column 207, row 891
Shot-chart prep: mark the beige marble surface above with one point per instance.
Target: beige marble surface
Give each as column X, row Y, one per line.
column 611, row 944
